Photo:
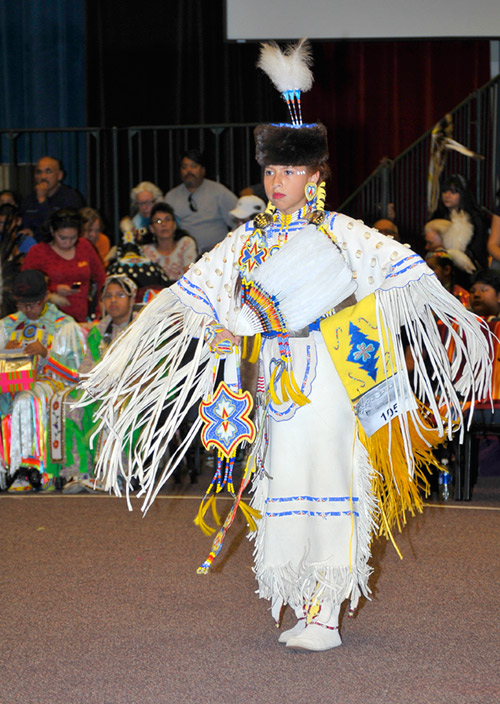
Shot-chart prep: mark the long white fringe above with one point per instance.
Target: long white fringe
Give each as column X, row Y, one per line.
column 148, row 384
column 416, row 309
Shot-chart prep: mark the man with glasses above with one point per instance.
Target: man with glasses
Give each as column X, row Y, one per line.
column 55, row 342
column 50, row 195
column 202, row 206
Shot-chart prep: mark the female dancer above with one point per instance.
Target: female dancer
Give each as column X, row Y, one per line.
column 341, row 433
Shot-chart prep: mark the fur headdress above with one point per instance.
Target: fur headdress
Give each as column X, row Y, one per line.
column 294, row 143
column 294, row 146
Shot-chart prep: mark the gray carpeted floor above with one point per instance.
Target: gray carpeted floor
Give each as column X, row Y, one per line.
column 103, row 606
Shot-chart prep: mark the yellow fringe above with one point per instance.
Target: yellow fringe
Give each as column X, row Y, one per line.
column 321, row 196
column 294, row 391
column 397, row 492
column 250, row 514
column 244, row 347
column 284, row 394
column 257, row 342
column 199, row 520
column 289, row 389
column 272, row 388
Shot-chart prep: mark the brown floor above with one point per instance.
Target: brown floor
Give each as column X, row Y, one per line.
column 103, row 606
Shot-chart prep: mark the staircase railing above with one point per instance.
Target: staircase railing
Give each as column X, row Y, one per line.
column 403, row 180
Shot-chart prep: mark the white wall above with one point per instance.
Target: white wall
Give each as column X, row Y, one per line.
column 361, row 19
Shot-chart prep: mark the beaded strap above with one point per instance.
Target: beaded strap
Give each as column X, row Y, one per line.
column 324, row 625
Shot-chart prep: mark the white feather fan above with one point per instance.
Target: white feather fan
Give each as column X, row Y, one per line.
column 306, row 279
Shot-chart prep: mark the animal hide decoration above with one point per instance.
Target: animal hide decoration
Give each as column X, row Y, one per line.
column 457, row 238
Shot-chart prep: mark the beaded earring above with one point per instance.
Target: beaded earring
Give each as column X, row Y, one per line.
column 310, row 190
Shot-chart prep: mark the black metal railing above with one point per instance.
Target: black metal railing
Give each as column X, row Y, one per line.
column 104, row 164
column 403, row 181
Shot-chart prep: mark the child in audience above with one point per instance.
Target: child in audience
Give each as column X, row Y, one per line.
column 118, row 299
column 484, row 295
column 441, row 263
column 55, row 343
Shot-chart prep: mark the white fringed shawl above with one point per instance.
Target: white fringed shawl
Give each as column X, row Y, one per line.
column 146, row 374
column 147, row 381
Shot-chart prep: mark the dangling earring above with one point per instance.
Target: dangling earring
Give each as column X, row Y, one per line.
column 310, row 190
column 317, row 216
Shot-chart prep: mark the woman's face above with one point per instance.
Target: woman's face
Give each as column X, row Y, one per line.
column 284, row 186
column 91, row 230
column 65, row 238
column 163, row 226
column 451, row 198
column 117, row 303
column 145, row 201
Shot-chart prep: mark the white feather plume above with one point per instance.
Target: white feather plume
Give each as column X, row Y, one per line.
column 288, row 69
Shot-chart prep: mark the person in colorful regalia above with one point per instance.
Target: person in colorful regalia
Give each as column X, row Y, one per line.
column 307, row 308
column 71, row 427
column 56, row 344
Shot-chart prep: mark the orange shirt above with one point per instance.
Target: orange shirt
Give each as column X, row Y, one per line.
column 102, row 245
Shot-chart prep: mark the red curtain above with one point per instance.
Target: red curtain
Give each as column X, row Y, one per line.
column 377, row 98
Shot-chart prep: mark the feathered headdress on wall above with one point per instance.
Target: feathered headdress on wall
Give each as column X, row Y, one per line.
column 296, row 143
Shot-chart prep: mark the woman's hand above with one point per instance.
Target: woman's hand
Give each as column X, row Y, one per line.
column 64, row 290
column 220, row 339
column 12, row 345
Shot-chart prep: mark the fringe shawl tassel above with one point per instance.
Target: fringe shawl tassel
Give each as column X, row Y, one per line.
column 148, row 381
column 401, row 450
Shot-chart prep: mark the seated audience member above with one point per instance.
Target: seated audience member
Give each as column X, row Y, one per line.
column 70, row 441
column 50, row 195
column 92, row 230
column 7, row 196
column 442, row 265
column 494, row 241
column 14, row 243
column 433, row 233
column 10, row 224
column 55, row 343
column 469, row 232
column 387, row 227
column 173, row 249
column 129, row 259
column 71, row 264
column 255, row 189
column 247, row 208
column 202, row 206
column 484, row 295
column 142, row 199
